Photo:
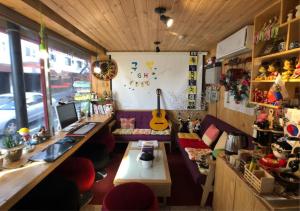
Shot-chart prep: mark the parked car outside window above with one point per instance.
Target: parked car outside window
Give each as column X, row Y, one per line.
column 35, row 110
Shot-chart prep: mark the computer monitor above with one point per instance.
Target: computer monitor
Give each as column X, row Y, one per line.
column 66, row 114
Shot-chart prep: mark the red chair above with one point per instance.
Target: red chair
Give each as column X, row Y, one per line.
column 79, row 170
column 109, row 141
column 130, row 196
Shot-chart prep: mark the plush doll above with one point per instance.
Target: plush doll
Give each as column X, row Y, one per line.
column 262, row 73
column 184, row 125
column 24, row 132
column 278, row 159
column 273, row 71
column 297, row 70
column 288, row 69
column 194, row 126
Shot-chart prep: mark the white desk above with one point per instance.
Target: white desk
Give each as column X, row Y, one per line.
column 157, row 178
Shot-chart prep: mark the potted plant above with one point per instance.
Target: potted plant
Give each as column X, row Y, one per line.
column 13, row 145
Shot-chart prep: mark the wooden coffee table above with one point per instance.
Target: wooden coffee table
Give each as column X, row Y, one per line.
column 157, row 177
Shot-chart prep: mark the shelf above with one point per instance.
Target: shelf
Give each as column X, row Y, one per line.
column 265, row 105
column 270, row 81
column 267, row 130
column 279, row 54
column 292, row 21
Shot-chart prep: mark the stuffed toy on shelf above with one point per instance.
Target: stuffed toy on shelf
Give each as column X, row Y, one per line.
column 288, row 69
column 262, row 73
column 296, row 73
column 280, row 153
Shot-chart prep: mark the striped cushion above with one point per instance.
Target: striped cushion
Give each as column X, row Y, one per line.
column 127, row 123
column 210, row 135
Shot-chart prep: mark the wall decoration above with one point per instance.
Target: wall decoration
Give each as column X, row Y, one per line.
column 192, row 80
column 141, row 73
column 236, row 82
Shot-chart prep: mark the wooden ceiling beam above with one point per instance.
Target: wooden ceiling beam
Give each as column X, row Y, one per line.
column 17, row 18
column 48, row 12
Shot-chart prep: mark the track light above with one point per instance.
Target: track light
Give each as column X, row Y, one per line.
column 167, row 20
column 157, row 49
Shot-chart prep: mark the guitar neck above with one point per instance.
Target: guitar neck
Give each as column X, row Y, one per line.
column 158, row 104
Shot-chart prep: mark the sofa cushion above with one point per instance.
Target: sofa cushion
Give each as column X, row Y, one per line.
column 127, row 123
column 191, row 143
column 137, row 137
column 221, row 141
column 120, row 131
column 142, row 118
column 196, row 154
column 162, row 132
column 188, row 135
column 210, row 135
column 142, row 131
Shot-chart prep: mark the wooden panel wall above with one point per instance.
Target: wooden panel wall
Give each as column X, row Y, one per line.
column 239, row 120
column 99, row 86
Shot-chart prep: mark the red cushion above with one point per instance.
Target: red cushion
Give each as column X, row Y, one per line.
column 192, row 143
column 130, row 196
column 79, row 170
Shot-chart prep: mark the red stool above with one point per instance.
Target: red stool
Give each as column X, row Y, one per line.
column 130, row 196
column 109, row 141
column 79, row 170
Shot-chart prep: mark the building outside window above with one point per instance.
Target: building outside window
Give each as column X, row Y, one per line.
column 68, row 80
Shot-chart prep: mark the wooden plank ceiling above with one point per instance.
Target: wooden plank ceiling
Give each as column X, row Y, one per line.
column 132, row 25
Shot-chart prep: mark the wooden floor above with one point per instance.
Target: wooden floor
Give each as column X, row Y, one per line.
column 91, row 207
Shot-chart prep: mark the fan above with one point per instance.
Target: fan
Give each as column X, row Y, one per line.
column 105, row 69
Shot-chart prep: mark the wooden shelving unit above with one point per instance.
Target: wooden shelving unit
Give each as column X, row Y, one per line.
column 289, row 31
column 266, row 105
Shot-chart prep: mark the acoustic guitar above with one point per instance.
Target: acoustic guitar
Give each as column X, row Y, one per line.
column 158, row 121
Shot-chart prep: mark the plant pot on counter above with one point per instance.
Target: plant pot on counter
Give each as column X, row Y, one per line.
column 15, row 153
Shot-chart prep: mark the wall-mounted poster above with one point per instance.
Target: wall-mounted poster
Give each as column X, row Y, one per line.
column 141, row 73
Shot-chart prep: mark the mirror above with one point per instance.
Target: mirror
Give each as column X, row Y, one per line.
column 105, row 69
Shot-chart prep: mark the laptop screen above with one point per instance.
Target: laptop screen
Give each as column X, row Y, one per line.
column 66, row 114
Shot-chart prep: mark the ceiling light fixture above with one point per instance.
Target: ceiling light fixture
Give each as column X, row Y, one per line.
column 157, row 49
column 165, row 19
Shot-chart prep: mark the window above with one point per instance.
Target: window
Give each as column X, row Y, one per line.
column 32, row 74
column 27, row 51
column 67, row 81
column 79, row 64
column 7, row 104
column 52, row 57
column 67, row 61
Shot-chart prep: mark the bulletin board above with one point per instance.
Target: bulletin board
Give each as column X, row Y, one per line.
column 141, row 73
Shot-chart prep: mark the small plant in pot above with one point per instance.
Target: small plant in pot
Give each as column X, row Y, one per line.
column 13, row 145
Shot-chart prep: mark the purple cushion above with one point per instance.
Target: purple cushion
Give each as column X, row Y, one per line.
column 142, row 118
column 129, row 196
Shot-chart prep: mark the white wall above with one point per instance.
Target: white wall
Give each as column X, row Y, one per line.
column 136, row 88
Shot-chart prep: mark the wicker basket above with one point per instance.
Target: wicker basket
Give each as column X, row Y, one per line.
column 260, row 180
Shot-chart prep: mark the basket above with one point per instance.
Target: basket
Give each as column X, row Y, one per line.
column 260, row 180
